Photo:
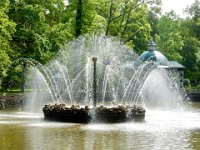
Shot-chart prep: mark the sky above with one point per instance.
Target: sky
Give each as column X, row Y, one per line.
column 176, row 5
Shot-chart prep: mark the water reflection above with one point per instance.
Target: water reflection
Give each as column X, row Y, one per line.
column 12, row 137
column 160, row 130
column 137, row 140
column 195, row 139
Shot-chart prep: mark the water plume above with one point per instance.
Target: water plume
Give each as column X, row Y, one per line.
column 121, row 77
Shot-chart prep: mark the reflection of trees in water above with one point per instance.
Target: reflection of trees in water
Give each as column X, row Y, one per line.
column 13, row 137
column 194, row 139
column 161, row 130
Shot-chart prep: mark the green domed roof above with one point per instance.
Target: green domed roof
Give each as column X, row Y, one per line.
column 153, row 55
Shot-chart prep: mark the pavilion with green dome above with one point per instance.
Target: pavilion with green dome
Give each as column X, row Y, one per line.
column 153, row 55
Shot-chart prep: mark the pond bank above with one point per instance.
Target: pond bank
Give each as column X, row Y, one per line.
column 12, row 101
column 194, row 95
column 17, row 101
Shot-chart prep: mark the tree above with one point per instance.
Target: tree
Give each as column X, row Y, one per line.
column 190, row 59
column 128, row 21
column 169, row 40
column 153, row 16
column 191, row 49
column 79, row 17
column 194, row 13
column 29, row 40
column 194, row 10
column 83, row 17
column 40, row 32
column 7, row 28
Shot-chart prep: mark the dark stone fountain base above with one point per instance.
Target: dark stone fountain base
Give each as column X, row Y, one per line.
column 76, row 114
column 59, row 112
column 119, row 113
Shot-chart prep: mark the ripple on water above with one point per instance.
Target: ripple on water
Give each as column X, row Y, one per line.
column 160, row 130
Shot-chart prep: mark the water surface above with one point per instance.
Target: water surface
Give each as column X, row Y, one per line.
column 164, row 130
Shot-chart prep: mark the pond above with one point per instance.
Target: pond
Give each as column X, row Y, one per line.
column 160, row 130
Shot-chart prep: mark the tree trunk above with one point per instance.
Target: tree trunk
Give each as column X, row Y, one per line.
column 23, row 76
column 79, row 17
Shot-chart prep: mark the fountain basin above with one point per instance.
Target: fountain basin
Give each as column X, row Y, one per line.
column 77, row 114
column 119, row 113
column 60, row 112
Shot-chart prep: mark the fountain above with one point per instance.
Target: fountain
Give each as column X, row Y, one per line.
column 121, row 82
column 92, row 78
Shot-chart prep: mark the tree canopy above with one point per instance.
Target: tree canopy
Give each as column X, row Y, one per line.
column 38, row 29
column 7, row 29
column 169, row 37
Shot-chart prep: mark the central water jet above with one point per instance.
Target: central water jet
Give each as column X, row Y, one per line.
column 119, row 82
column 120, row 113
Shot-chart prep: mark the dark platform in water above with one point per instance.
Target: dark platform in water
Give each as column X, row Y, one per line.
column 77, row 114
column 119, row 113
column 59, row 112
column 194, row 95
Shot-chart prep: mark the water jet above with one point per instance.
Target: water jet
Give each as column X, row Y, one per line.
column 66, row 84
column 77, row 114
column 104, row 90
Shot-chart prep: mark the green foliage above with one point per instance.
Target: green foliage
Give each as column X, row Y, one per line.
column 191, row 49
column 40, row 33
column 87, row 19
column 58, row 35
column 194, row 10
column 127, row 20
column 38, row 29
column 7, row 28
column 194, row 16
column 191, row 60
column 153, row 17
column 189, row 53
column 169, row 39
